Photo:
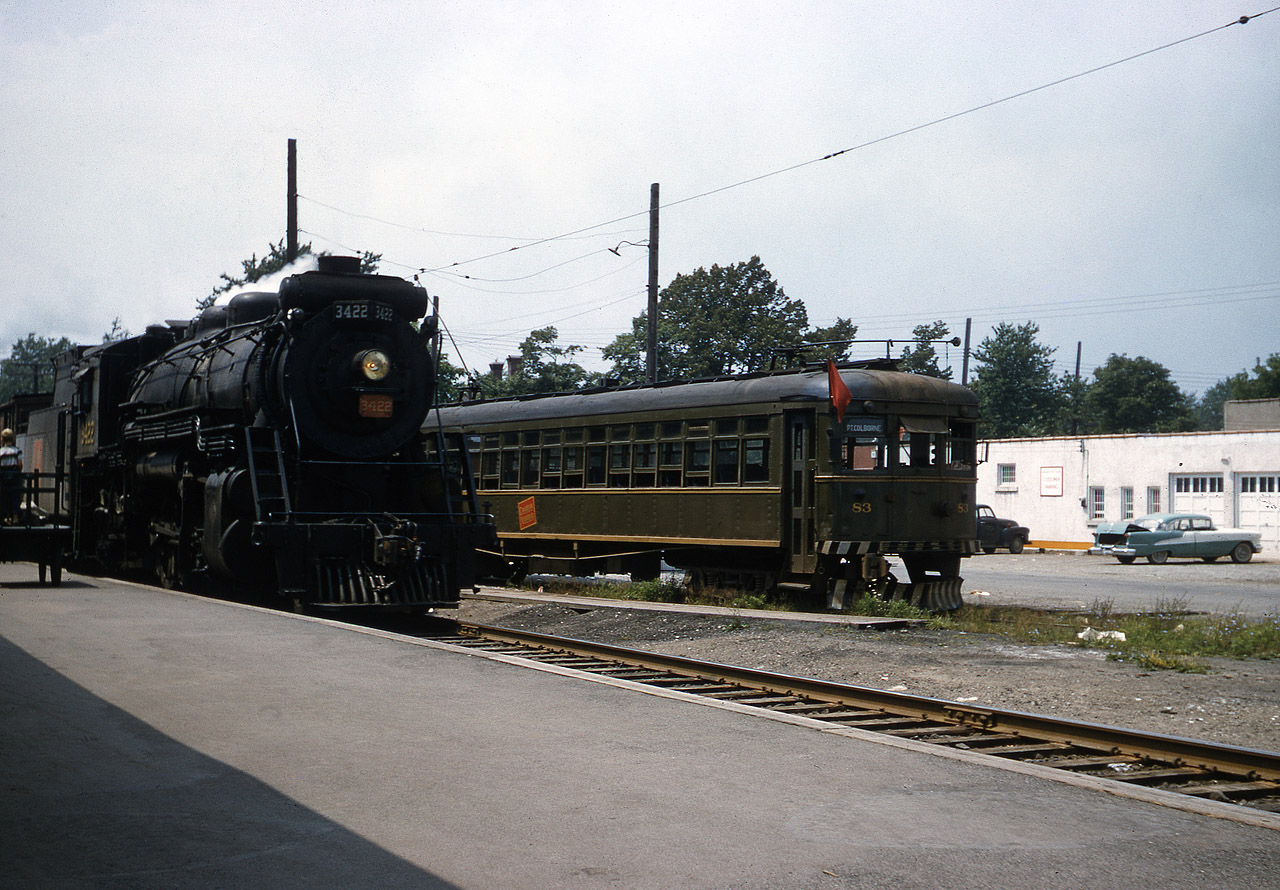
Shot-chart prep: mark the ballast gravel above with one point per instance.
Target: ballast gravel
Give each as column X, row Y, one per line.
column 1237, row 702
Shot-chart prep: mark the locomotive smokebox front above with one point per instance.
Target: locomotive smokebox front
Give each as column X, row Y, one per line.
column 354, row 372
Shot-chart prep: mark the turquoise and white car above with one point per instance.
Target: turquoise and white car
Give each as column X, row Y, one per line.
column 1162, row 535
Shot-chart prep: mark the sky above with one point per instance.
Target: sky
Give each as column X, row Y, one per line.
column 499, row 150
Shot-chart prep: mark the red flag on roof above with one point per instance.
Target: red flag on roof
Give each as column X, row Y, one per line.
column 840, row 395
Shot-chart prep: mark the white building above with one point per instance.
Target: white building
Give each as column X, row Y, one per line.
column 1061, row 488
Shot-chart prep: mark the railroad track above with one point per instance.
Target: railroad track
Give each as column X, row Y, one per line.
column 1243, row 776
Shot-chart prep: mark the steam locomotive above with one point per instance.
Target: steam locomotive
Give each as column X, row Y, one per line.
column 272, row 443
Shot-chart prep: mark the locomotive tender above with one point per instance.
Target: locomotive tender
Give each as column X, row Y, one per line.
column 800, row 479
column 272, row 442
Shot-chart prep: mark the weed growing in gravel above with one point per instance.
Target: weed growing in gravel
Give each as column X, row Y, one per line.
column 872, row 606
column 1169, row 638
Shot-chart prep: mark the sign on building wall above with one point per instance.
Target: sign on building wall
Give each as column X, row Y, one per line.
column 1051, row 482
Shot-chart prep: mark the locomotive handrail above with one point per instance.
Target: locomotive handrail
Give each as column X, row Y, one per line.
column 331, row 516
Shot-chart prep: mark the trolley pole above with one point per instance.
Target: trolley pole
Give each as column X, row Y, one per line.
column 964, row 366
column 291, row 207
column 651, row 331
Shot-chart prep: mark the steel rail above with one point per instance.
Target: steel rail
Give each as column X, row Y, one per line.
column 1228, row 769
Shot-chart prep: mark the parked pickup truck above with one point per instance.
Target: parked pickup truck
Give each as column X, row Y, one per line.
column 993, row 532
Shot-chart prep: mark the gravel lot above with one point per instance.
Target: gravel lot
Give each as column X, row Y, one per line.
column 1237, row 702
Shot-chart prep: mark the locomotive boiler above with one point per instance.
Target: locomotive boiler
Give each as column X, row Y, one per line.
column 273, row 443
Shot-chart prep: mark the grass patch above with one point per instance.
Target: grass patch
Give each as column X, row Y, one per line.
column 874, row 607
column 1169, row 638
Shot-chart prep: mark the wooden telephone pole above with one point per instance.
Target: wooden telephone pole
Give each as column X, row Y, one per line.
column 291, row 212
column 651, row 331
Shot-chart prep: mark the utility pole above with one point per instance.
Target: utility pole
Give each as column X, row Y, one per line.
column 651, row 331
column 964, row 366
column 1075, row 407
column 291, row 212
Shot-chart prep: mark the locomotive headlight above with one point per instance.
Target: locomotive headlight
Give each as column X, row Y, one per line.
column 374, row 364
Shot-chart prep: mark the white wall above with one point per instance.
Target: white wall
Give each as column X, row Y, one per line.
column 1232, row 476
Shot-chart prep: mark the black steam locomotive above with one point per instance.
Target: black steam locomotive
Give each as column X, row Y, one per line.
column 272, row 443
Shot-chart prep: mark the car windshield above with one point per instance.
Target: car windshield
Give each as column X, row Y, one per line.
column 1150, row 523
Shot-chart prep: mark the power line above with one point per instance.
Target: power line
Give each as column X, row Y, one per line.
column 835, row 154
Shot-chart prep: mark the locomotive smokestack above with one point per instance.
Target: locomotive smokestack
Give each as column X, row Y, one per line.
column 348, row 264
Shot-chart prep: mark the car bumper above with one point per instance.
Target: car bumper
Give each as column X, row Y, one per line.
column 1112, row 550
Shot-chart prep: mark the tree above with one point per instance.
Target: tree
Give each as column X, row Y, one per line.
column 117, row 332
column 545, row 366
column 1264, row 384
column 1013, row 380
column 1208, row 408
column 1137, row 395
column 449, row 380
column 1074, row 417
column 923, row 358
column 29, row 367
column 711, row 323
column 254, row 269
column 840, row 336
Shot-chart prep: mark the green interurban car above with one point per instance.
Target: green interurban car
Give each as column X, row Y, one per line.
column 1162, row 535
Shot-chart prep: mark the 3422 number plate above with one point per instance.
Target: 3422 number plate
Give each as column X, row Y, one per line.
column 363, row 310
column 374, row 405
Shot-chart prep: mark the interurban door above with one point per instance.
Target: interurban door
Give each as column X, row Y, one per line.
column 801, row 468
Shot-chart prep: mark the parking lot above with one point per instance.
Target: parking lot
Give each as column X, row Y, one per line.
column 1068, row 580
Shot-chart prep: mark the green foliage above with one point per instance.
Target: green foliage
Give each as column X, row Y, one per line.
column 545, row 366
column 923, row 358
column 1015, row 385
column 29, row 367
column 117, row 332
column 726, row 320
column 1137, row 396
column 871, row 606
column 842, row 332
column 1208, row 409
column 449, row 380
column 254, row 269
column 1264, row 384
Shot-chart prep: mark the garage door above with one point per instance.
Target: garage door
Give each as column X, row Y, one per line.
column 1258, row 505
column 1201, row 493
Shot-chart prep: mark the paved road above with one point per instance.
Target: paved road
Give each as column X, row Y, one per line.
column 1077, row 580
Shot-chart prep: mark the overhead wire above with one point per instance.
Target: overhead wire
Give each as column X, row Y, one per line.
column 876, row 141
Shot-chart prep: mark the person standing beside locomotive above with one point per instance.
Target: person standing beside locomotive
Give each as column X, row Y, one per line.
column 10, row 476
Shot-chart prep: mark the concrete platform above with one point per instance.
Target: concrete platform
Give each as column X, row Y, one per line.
column 503, row 595
column 150, row 739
